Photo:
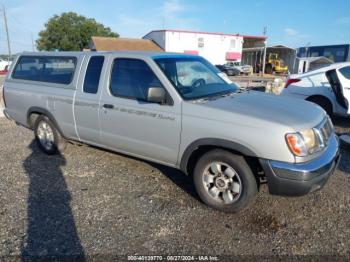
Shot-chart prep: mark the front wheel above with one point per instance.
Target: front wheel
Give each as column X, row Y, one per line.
column 47, row 137
column 224, row 181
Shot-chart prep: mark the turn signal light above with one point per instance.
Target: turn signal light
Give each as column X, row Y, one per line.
column 296, row 144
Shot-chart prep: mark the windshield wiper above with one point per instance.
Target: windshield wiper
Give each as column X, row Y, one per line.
column 213, row 97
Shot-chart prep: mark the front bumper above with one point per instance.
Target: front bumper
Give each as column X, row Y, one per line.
column 299, row 179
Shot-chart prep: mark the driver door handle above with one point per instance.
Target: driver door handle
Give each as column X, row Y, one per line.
column 109, row 106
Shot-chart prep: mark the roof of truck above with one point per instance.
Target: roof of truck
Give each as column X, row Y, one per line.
column 149, row 54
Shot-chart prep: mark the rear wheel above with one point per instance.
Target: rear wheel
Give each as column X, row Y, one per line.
column 47, row 137
column 224, row 181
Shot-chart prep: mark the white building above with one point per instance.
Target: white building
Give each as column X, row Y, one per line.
column 305, row 64
column 218, row 48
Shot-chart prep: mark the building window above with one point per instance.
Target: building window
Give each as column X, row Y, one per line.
column 200, row 42
column 233, row 43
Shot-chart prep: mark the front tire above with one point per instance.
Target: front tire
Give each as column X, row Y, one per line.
column 224, row 181
column 47, row 136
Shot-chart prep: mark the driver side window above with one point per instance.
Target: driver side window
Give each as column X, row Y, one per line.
column 131, row 78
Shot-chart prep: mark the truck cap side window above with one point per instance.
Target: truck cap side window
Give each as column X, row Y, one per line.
column 131, row 78
column 58, row 70
column 28, row 68
column 93, row 74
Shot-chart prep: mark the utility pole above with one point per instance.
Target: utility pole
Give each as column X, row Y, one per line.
column 7, row 33
column 264, row 55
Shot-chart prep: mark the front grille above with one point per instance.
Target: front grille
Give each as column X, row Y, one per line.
column 327, row 129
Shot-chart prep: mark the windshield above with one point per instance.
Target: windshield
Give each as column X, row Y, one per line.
column 194, row 77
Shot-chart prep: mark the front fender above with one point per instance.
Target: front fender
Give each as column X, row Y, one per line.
column 213, row 142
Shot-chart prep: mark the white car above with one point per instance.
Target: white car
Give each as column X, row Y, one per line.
column 4, row 65
column 244, row 69
column 329, row 87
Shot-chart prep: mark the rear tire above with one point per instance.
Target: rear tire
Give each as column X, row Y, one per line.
column 224, row 181
column 47, row 136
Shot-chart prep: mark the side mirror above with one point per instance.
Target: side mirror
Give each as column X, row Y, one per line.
column 156, row 95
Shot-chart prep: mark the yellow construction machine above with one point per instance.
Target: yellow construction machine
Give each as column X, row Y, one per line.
column 275, row 65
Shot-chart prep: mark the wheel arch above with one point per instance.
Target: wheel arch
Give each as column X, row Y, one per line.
column 201, row 146
column 34, row 112
column 312, row 98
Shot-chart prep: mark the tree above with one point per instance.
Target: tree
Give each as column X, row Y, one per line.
column 70, row 32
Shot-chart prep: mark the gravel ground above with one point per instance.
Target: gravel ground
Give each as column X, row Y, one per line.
column 100, row 204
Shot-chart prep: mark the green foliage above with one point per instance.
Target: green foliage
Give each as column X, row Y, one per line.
column 70, row 32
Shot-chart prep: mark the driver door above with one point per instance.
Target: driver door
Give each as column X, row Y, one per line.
column 339, row 79
column 129, row 123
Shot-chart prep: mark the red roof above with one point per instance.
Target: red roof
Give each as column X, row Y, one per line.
column 208, row 33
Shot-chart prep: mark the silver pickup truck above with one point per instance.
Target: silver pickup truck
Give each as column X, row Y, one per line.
column 176, row 110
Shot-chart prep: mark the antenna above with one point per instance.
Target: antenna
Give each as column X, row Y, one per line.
column 265, row 30
column 33, row 46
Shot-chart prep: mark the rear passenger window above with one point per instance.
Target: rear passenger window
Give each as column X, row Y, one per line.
column 93, row 74
column 131, row 78
column 59, row 70
column 345, row 71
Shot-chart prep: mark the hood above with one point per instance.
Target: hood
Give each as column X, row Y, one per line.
column 256, row 107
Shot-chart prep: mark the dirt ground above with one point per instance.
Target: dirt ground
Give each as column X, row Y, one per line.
column 99, row 204
column 104, row 206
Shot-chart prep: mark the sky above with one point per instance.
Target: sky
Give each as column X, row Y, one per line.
column 293, row 23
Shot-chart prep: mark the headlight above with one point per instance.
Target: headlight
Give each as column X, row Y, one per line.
column 303, row 143
column 310, row 140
